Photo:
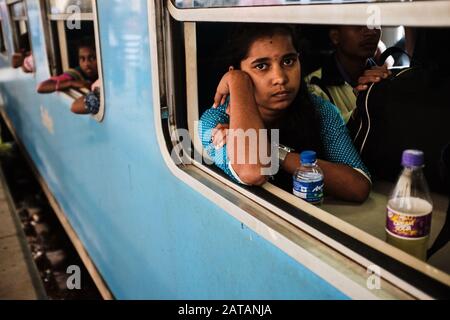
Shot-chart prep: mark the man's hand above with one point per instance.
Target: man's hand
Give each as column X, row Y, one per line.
column 376, row 74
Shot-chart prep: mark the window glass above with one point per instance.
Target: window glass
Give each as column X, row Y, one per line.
column 246, row 3
column 2, row 39
column 19, row 26
column 18, row 11
column 63, row 7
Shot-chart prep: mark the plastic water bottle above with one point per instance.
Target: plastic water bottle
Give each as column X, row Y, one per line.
column 408, row 220
column 308, row 179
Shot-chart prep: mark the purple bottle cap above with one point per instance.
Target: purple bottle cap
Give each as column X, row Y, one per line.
column 412, row 158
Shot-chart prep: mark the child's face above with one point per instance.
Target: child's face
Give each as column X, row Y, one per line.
column 273, row 65
column 88, row 62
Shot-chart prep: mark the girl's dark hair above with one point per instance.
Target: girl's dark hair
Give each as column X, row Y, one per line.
column 244, row 34
column 300, row 124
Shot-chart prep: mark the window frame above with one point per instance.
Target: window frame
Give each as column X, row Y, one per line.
column 409, row 13
column 13, row 27
column 14, row 20
column 189, row 18
column 60, row 35
column 4, row 54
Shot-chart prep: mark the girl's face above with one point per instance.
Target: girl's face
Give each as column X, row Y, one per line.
column 273, row 65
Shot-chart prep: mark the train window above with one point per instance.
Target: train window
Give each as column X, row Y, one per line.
column 22, row 56
column 202, row 26
column 69, row 6
column 20, row 25
column 2, row 39
column 239, row 3
column 196, row 4
column 70, row 23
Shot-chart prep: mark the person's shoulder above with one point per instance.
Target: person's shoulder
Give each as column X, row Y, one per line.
column 324, row 107
column 69, row 70
column 315, row 74
column 321, row 103
column 75, row 73
column 220, row 111
column 213, row 116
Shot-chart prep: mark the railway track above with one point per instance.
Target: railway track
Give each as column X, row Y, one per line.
column 50, row 247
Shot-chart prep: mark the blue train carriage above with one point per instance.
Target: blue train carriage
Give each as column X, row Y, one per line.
column 149, row 225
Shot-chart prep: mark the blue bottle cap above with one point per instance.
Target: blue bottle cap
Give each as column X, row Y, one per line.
column 308, row 157
column 412, row 158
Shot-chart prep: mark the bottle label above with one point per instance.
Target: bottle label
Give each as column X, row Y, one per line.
column 311, row 191
column 408, row 226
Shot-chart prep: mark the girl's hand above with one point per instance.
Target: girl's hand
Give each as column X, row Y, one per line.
column 219, row 135
column 375, row 74
column 223, row 89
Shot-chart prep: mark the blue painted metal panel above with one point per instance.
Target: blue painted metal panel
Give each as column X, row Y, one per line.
column 149, row 234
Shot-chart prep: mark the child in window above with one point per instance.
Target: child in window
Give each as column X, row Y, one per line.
column 82, row 76
column 24, row 57
column 24, row 61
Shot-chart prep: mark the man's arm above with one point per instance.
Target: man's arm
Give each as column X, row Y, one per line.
column 50, row 85
column 78, row 106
